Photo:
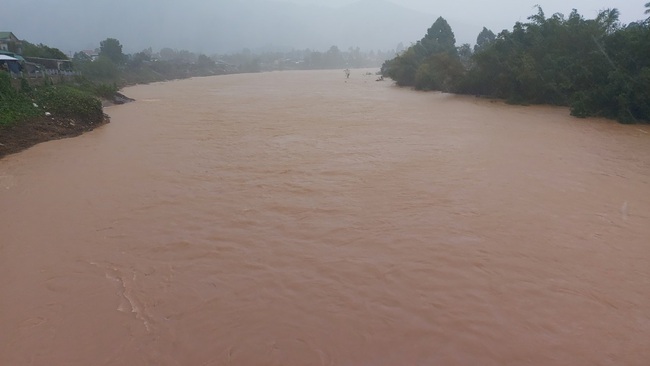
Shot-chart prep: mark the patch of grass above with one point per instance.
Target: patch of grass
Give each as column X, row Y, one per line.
column 68, row 102
column 97, row 88
column 60, row 100
column 14, row 105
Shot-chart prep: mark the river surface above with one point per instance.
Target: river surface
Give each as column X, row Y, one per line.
column 299, row 218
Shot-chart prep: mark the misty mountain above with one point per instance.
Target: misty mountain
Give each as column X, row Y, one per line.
column 214, row 27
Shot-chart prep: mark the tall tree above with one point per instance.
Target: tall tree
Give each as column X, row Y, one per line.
column 433, row 63
column 205, row 61
column 137, row 59
column 112, row 49
column 485, row 38
column 439, row 38
column 608, row 20
column 465, row 55
column 333, row 58
column 168, row 54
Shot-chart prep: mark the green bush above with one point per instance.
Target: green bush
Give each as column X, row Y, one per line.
column 105, row 90
column 101, row 70
column 14, row 106
column 6, row 90
column 65, row 101
column 24, row 86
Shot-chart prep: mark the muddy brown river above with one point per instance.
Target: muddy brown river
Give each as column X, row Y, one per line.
column 299, row 218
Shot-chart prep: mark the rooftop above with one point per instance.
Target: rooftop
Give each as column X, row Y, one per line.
column 6, row 35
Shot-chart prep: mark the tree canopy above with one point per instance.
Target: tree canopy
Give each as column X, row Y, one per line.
column 431, row 63
column 42, row 51
column 112, row 49
column 439, row 38
column 484, row 39
column 597, row 66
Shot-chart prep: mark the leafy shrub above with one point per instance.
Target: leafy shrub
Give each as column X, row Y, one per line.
column 100, row 70
column 105, row 90
column 24, row 86
column 6, row 90
column 14, row 106
column 65, row 101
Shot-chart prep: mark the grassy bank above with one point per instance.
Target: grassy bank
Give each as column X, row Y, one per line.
column 32, row 115
column 15, row 106
column 64, row 100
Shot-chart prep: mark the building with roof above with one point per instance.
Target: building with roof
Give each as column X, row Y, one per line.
column 92, row 54
column 9, row 42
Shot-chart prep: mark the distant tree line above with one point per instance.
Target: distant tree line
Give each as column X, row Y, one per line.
column 333, row 58
column 112, row 65
column 597, row 67
column 108, row 68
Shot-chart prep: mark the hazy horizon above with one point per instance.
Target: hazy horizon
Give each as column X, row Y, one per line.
column 226, row 26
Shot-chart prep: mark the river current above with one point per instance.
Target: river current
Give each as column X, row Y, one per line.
column 302, row 218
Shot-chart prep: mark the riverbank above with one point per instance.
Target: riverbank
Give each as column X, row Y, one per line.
column 23, row 135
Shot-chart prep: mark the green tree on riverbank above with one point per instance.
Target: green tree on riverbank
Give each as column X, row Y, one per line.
column 598, row 67
column 432, row 63
column 112, row 49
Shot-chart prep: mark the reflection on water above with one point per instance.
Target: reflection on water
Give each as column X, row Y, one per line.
column 300, row 218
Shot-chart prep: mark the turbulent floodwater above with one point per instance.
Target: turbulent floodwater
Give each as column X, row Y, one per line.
column 298, row 218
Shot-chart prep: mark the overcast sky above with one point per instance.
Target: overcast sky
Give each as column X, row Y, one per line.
column 502, row 14
column 467, row 17
column 223, row 26
column 507, row 10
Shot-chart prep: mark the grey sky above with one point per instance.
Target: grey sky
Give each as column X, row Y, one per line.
column 210, row 26
column 502, row 14
column 506, row 10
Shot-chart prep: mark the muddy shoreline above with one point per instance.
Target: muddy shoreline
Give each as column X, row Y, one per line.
column 26, row 134
column 23, row 135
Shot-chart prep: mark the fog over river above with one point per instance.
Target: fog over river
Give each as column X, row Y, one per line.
column 299, row 218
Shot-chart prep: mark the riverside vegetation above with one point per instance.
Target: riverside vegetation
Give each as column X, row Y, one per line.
column 32, row 114
column 62, row 101
column 597, row 67
column 73, row 106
